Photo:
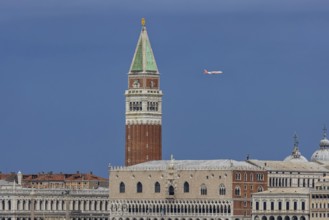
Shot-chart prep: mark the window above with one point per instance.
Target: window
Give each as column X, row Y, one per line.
column 264, row 205
column 251, row 177
column 152, row 106
column 122, row 188
column 287, row 205
column 222, row 189
column 280, row 205
column 135, row 106
column 237, row 191
column 295, row 206
column 245, row 177
column 257, row 205
column 260, row 189
column 272, row 206
column 157, row 187
column 203, row 189
column 186, row 187
column 139, row 187
column 238, row 176
column 260, row 176
column 171, row 190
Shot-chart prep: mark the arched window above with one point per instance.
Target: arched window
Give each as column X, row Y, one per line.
column 238, row 176
column 122, row 188
column 171, row 190
column 139, row 187
column 157, row 187
column 245, row 178
column 251, row 177
column 203, row 189
column 186, row 187
column 237, row 191
column 222, row 189
column 260, row 189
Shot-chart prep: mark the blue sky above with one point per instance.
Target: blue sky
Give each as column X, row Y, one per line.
column 64, row 64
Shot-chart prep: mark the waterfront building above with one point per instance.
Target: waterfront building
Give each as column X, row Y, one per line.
column 19, row 203
column 185, row 189
column 281, row 204
column 295, row 171
column 283, row 174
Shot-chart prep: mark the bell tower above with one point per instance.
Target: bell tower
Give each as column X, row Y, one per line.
column 143, row 105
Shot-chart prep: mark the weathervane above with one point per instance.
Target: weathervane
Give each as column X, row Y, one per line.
column 143, row 22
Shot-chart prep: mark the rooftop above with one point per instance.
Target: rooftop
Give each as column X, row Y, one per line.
column 143, row 60
column 272, row 165
column 191, row 165
column 280, row 191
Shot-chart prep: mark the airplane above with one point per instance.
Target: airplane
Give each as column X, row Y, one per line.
column 212, row 72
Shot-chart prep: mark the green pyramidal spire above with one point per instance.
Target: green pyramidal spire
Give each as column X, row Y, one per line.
column 143, row 60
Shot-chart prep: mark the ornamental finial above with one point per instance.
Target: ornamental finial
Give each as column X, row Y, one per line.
column 143, row 22
column 295, row 140
column 324, row 131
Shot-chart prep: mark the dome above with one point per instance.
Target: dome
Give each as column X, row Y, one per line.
column 324, row 142
column 295, row 156
column 322, row 154
column 291, row 158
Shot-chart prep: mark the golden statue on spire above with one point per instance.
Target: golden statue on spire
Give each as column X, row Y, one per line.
column 143, row 22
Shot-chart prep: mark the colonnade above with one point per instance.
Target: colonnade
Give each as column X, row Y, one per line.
column 53, row 204
column 291, row 182
column 169, row 208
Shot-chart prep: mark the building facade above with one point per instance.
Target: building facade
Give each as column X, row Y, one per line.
column 281, row 204
column 296, row 187
column 213, row 189
column 143, row 105
column 295, row 171
column 319, row 200
column 18, row 203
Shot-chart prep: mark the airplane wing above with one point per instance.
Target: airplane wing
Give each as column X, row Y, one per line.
column 217, row 72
